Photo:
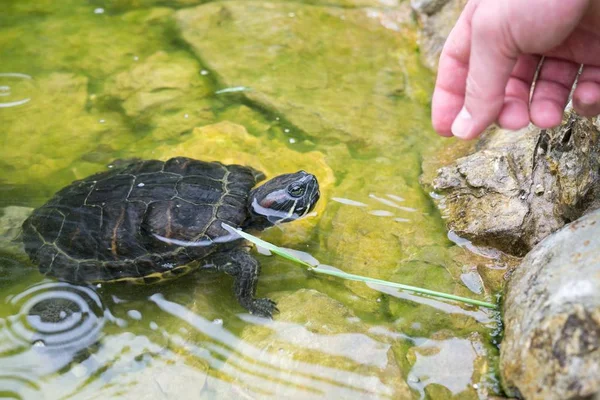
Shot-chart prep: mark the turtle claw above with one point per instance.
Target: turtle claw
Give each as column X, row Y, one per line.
column 263, row 307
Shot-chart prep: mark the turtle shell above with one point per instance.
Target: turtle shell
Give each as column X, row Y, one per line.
column 145, row 221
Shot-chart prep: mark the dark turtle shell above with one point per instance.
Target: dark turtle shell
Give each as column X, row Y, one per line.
column 112, row 226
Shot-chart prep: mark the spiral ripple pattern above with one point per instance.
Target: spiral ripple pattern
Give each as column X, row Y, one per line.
column 57, row 315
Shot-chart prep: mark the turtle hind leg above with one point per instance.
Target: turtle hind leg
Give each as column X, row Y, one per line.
column 245, row 270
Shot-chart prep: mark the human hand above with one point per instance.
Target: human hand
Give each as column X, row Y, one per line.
column 488, row 64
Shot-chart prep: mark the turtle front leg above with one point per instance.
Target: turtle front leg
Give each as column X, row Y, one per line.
column 245, row 270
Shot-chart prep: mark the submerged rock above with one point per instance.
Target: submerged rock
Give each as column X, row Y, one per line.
column 122, row 5
column 10, row 230
column 551, row 347
column 336, row 74
column 78, row 39
column 518, row 187
column 52, row 151
column 165, row 93
column 11, row 221
column 321, row 337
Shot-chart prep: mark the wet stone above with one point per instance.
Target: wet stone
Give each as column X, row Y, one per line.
column 326, row 333
column 516, row 188
column 436, row 18
column 10, row 230
column 164, row 93
column 361, row 51
column 551, row 347
column 50, row 149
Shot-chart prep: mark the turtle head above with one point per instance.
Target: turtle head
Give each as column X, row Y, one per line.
column 282, row 199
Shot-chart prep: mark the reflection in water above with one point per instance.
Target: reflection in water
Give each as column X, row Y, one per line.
column 473, row 281
column 56, row 315
column 16, row 385
column 15, row 89
column 53, row 326
column 104, row 93
column 480, row 314
column 348, row 202
column 143, row 345
column 268, row 371
column 437, row 362
column 482, row 251
column 392, row 201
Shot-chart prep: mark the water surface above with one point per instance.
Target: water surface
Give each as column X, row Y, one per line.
column 333, row 87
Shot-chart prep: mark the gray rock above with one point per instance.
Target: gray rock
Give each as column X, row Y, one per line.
column 428, row 7
column 518, row 187
column 551, row 347
column 436, row 19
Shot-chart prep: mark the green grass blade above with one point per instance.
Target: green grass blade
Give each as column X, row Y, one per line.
column 333, row 272
column 266, row 245
column 415, row 289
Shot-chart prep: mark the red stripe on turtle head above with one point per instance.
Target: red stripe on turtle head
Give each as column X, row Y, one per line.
column 271, row 198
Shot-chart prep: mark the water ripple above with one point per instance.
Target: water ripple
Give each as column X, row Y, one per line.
column 14, row 89
column 56, row 315
column 18, row 386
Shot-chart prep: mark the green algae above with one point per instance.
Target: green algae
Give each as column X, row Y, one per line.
column 164, row 93
column 307, row 67
column 319, row 331
column 95, row 45
column 51, row 151
column 336, row 89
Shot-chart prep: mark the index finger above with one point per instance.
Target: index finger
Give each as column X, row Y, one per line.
column 450, row 86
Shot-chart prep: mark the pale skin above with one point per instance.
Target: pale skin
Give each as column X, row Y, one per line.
column 488, row 63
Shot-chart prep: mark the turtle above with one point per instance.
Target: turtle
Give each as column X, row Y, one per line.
column 147, row 221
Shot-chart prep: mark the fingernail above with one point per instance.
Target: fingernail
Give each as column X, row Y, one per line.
column 461, row 127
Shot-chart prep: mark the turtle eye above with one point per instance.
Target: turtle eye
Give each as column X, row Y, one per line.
column 296, row 191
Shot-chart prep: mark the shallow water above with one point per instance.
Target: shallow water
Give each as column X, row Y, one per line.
column 333, row 87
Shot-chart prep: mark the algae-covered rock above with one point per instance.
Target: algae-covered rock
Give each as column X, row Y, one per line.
column 335, row 74
column 322, row 337
column 10, row 230
column 83, row 41
column 18, row 8
column 116, row 6
column 123, row 5
column 231, row 144
column 166, row 93
column 518, row 187
column 161, row 78
column 65, row 132
column 380, row 224
column 377, row 217
column 551, row 347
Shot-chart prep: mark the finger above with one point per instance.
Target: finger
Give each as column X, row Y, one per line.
column 493, row 57
column 551, row 92
column 586, row 98
column 515, row 110
column 449, row 92
column 501, row 31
